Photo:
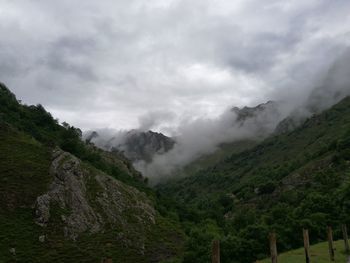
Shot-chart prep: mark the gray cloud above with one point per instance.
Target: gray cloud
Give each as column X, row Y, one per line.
column 103, row 64
column 153, row 119
column 202, row 136
column 199, row 137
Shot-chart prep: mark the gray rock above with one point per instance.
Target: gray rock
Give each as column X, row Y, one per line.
column 42, row 210
column 89, row 200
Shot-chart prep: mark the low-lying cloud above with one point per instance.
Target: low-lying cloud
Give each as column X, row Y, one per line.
column 203, row 136
column 196, row 137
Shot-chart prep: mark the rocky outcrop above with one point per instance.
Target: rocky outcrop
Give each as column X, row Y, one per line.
column 89, row 201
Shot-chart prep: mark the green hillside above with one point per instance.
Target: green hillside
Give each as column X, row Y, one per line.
column 289, row 181
column 58, row 208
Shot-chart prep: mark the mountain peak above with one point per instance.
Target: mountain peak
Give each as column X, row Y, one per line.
column 145, row 144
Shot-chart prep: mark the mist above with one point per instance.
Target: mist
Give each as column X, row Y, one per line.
column 106, row 139
column 196, row 137
column 153, row 119
column 203, row 136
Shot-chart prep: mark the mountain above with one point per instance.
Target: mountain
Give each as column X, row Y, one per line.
column 135, row 145
column 286, row 182
column 63, row 200
column 144, row 145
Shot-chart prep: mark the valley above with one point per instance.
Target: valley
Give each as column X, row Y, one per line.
column 65, row 198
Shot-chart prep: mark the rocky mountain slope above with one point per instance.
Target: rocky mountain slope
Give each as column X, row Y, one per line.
column 64, row 200
column 94, row 200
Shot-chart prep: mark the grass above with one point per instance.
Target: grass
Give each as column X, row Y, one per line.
column 24, row 169
column 319, row 254
column 24, row 175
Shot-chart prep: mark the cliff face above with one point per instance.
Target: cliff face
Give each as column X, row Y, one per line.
column 91, row 201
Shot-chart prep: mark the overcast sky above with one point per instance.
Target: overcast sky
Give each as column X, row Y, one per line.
column 125, row 63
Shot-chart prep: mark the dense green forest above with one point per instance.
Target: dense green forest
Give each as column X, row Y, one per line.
column 287, row 182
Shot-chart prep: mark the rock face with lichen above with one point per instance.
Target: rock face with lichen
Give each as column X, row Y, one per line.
column 90, row 200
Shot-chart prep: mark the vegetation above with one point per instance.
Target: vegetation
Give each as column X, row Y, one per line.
column 28, row 135
column 224, row 150
column 36, row 122
column 289, row 181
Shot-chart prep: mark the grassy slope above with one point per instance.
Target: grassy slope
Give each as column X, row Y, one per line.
column 24, row 165
column 318, row 253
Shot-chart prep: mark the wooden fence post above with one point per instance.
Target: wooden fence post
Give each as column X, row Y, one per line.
column 273, row 247
column 346, row 239
column 306, row 245
column 330, row 243
column 216, row 251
